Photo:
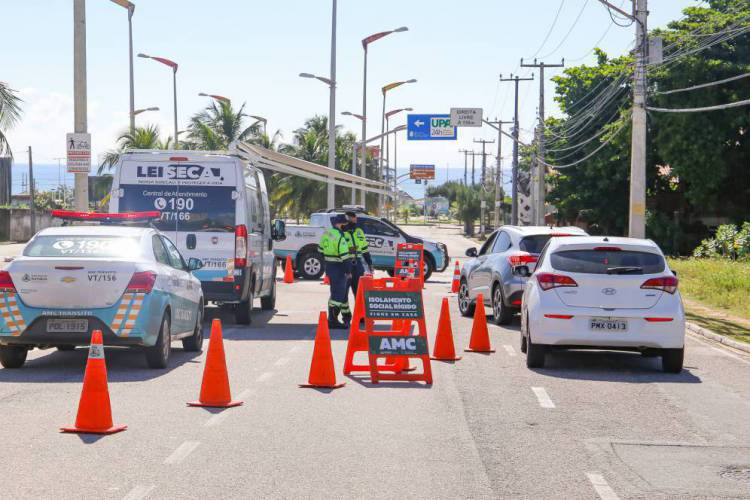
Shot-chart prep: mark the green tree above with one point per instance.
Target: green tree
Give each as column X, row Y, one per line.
column 10, row 113
column 217, row 126
column 141, row 138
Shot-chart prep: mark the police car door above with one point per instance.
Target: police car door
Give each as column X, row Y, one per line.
column 382, row 241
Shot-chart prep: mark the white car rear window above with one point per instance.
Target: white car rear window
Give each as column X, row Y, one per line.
column 607, row 262
column 82, row 246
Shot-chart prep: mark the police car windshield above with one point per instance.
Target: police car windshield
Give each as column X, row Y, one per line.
column 82, row 246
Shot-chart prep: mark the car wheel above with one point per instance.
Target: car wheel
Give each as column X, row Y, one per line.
column 310, row 265
column 465, row 305
column 194, row 343
column 243, row 310
column 13, row 356
column 429, row 267
column 65, row 347
column 672, row 359
column 268, row 303
column 157, row 356
column 535, row 354
column 502, row 315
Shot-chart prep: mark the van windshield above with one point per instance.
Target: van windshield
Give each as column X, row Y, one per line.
column 183, row 208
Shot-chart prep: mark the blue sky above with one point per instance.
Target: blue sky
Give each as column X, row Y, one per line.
column 252, row 51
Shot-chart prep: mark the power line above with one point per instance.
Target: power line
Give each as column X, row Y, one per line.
column 552, row 27
column 605, row 143
column 699, row 110
column 703, row 85
column 578, row 18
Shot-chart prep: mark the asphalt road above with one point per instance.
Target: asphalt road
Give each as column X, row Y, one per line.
column 590, row 425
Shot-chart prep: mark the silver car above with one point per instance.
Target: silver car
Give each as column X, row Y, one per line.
column 492, row 270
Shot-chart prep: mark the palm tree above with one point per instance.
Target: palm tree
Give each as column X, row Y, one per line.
column 217, row 126
column 10, row 113
column 141, row 138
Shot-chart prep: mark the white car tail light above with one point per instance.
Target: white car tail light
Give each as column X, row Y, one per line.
column 141, row 282
column 240, row 246
column 548, row 281
column 559, row 316
column 665, row 284
column 659, row 320
column 6, row 282
column 522, row 259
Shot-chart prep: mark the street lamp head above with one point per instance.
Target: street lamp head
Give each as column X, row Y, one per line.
column 401, row 29
column 124, row 3
column 408, row 109
column 307, row 75
column 154, row 108
column 413, row 80
column 145, row 56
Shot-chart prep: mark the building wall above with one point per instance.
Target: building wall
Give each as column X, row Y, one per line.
column 15, row 223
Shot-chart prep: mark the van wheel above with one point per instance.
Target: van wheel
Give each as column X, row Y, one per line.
column 671, row 360
column 13, row 356
column 268, row 303
column 194, row 343
column 158, row 355
column 310, row 265
column 243, row 310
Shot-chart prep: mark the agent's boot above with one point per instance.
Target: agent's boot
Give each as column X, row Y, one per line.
column 333, row 319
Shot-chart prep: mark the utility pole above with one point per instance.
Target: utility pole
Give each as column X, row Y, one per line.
column 538, row 182
column 637, row 219
column 499, row 171
column 466, row 163
column 331, row 194
column 79, row 96
column 473, row 155
column 484, row 158
column 514, row 174
column 32, row 193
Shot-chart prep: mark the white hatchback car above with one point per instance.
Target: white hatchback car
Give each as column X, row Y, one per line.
column 603, row 293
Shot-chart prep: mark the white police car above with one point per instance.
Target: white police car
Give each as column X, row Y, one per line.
column 129, row 282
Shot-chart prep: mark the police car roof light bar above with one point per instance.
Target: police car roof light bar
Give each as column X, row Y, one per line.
column 107, row 218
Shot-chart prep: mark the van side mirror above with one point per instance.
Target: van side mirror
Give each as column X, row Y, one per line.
column 278, row 230
column 194, row 264
column 471, row 252
column 522, row 271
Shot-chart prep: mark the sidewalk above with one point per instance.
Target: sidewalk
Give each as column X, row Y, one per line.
column 717, row 325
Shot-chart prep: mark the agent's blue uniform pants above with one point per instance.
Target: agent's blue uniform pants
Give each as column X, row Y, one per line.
column 339, row 286
column 357, row 272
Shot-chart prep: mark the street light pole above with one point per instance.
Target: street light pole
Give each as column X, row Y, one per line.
column 174, row 66
column 79, row 96
column 385, row 90
column 131, row 9
column 332, row 112
column 365, row 43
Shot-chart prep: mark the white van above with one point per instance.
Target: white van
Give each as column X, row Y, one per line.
column 214, row 207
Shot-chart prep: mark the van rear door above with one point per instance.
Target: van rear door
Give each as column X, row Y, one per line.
column 198, row 205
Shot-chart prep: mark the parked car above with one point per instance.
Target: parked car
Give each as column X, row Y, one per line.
column 603, row 293
column 215, row 208
column 491, row 271
column 131, row 283
column 382, row 236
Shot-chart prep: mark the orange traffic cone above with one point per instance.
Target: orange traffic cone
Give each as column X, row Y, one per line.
column 322, row 373
column 94, row 411
column 456, row 279
column 480, row 336
column 444, row 349
column 288, row 271
column 215, row 391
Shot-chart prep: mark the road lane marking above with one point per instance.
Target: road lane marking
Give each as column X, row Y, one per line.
column 281, row 361
column 543, row 397
column 139, row 492
column 217, row 418
column 509, row 349
column 265, row 376
column 182, row 452
column 601, row 486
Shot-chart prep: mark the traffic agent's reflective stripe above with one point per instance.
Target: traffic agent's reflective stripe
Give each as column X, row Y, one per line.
column 135, row 308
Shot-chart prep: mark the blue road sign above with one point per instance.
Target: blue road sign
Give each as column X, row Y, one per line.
column 430, row 128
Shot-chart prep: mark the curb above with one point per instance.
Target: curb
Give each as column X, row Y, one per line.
column 703, row 332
